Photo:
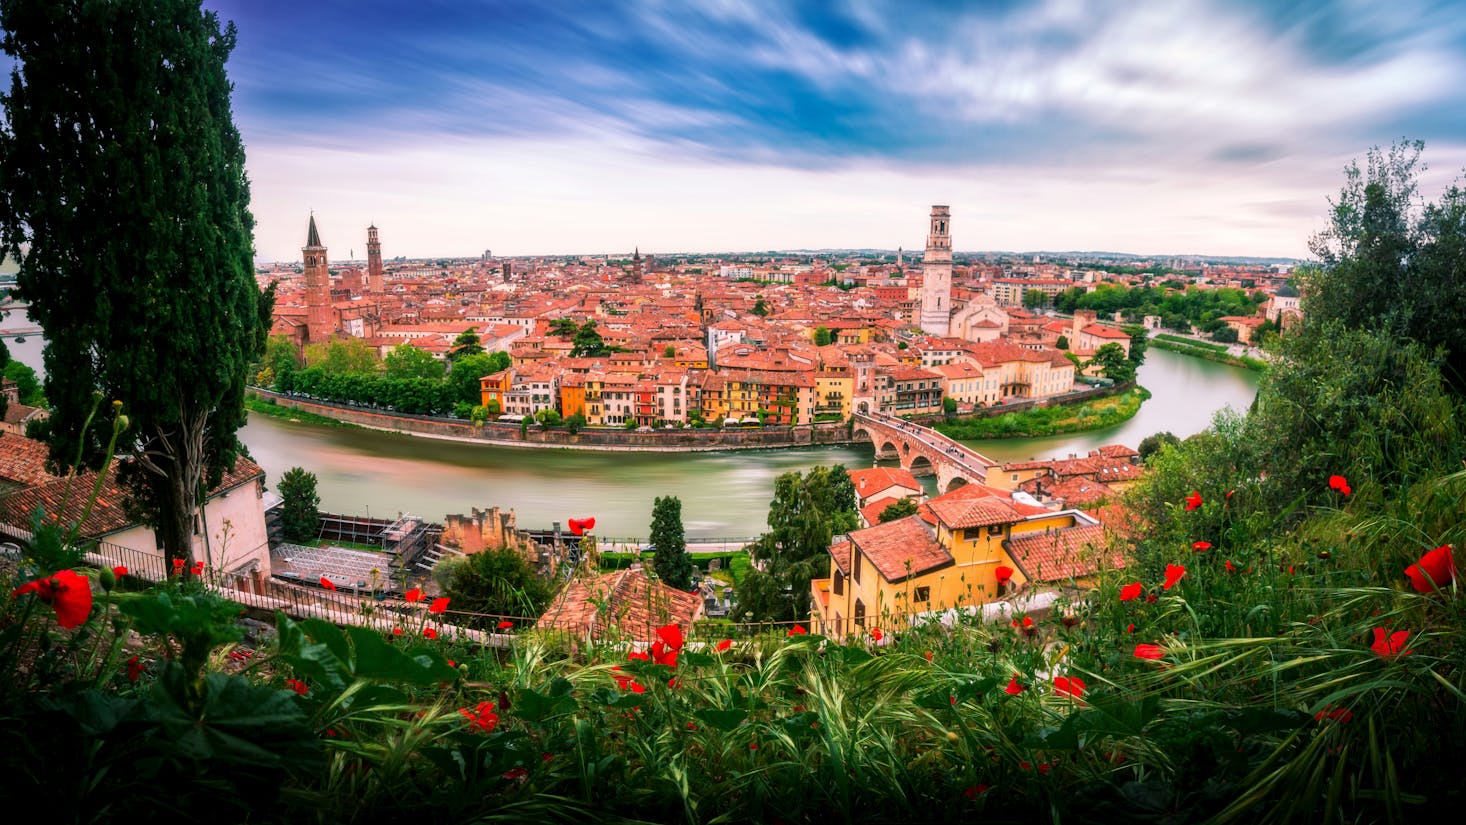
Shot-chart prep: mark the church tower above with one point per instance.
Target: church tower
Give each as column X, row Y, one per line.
column 636, row 269
column 936, row 274
column 374, row 261
column 320, row 316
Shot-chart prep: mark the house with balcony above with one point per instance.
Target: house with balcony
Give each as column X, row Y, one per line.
column 965, row 550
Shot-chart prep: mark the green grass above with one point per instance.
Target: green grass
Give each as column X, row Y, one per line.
column 266, row 406
column 1057, row 420
column 1208, row 353
column 1191, row 342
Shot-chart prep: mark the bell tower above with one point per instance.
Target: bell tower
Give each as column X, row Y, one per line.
column 375, row 281
column 936, row 274
column 320, row 320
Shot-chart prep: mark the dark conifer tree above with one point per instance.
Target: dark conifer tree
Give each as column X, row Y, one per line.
column 123, row 192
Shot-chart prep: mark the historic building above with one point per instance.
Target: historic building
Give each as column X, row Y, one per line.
column 936, row 269
column 320, row 315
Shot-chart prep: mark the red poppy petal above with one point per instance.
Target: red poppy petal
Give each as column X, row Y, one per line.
column 413, row 595
column 724, row 645
column 1148, row 651
column 1130, row 591
column 439, row 605
column 672, row 635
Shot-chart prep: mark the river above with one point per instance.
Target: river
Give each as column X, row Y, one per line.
column 365, row 472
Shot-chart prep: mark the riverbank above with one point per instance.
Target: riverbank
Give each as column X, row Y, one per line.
column 1049, row 421
column 267, row 406
column 1210, row 352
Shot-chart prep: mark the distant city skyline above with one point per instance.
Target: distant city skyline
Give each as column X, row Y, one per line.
column 1154, row 128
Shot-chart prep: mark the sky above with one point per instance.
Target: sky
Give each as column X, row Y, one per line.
column 556, row 127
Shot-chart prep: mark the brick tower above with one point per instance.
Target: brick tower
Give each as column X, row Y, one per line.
column 375, row 281
column 936, row 274
column 320, row 318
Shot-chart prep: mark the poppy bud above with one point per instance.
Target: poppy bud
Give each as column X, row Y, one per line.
column 107, row 579
column 122, row 423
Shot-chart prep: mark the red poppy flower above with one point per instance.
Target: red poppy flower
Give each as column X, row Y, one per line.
column 663, row 655
column 1193, row 501
column 1145, row 651
column 928, row 655
column 1013, row 688
column 438, row 605
column 640, row 656
column 875, row 633
column 797, row 630
column 1341, row 484
column 429, row 633
column 578, row 526
column 67, row 592
column 724, row 645
column 1229, row 494
column 1200, row 546
column 974, row 791
column 414, row 595
column 134, row 669
column 396, row 631
column 482, row 717
column 1174, row 572
column 636, row 687
column 1130, row 591
column 1069, row 620
column 671, row 635
column 1003, row 574
column 198, row 568
column 505, row 625
column 1131, row 628
column 753, row 746
column 1150, row 597
column 1389, row 648
column 326, row 583
column 1435, row 569
column 691, row 726
column 178, row 565
column 298, row 686
column 1231, row 568
column 516, row 773
column 1334, row 714
column 1069, row 686
column 119, row 570
column 1025, row 766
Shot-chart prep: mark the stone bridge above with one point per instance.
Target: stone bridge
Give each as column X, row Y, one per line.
column 922, row 451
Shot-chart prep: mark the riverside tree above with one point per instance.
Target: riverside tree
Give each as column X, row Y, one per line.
column 807, row 511
column 672, row 563
column 300, row 513
column 125, row 200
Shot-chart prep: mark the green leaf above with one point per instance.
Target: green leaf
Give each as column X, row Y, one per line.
column 723, row 720
column 378, row 660
column 533, row 706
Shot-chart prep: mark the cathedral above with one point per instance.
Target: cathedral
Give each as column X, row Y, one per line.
column 981, row 319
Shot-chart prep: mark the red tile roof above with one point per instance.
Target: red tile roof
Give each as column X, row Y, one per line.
column 626, row 600
column 958, row 513
column 902, row 548
column 1060, row 554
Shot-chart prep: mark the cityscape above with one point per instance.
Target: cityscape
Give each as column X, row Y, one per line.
column 733, row 412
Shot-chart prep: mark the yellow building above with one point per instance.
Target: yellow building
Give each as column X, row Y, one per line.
column 833, row 391
column 949, row 556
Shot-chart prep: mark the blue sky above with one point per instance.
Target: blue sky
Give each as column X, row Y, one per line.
column 554, row 127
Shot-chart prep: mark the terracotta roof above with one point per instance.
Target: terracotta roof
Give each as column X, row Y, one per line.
column 626, row 600
column 960, row 513
column 902, row 548
column 840, row 552
column 22, row 461
column 1057, row 555
column 872, row 511
column 870, row 481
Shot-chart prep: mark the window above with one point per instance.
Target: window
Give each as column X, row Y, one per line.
column 995, row 530
column 922, row 594
column 859, row 613
column 857, row 556
column 839, row 587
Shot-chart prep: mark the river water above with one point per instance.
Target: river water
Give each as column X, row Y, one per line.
column 365, row 472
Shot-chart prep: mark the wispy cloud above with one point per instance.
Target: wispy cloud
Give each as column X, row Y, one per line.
column 1162, row 95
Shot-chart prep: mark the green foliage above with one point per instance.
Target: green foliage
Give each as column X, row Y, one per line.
column 1178, row 307
column 823, row 337
column 949, row 405
column 419, row 396
column 279, row 364
column 761, row 307
column 547, row 418
column 125, row 183
column 1035, row 298
column 574, row 423
column 343, row 356
column 672, row 563
column 407, row 361
column 494, row 407
column 1062, row 343
column 588, row 343
column 1152, row 444
column 300, row 514
column 1225, row 335
column 467, row 343
column 807, row 511
column 27, row 385
column 496, row 582
column 1390, row 262
column 1139, row 341
column 1113, row 363
column 1054, row 420
column 901, row 508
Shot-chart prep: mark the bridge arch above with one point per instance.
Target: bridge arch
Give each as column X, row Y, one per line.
column 921, row 466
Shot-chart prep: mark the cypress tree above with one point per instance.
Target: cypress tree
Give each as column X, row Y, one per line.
column 123, row 192
column 672, row 563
